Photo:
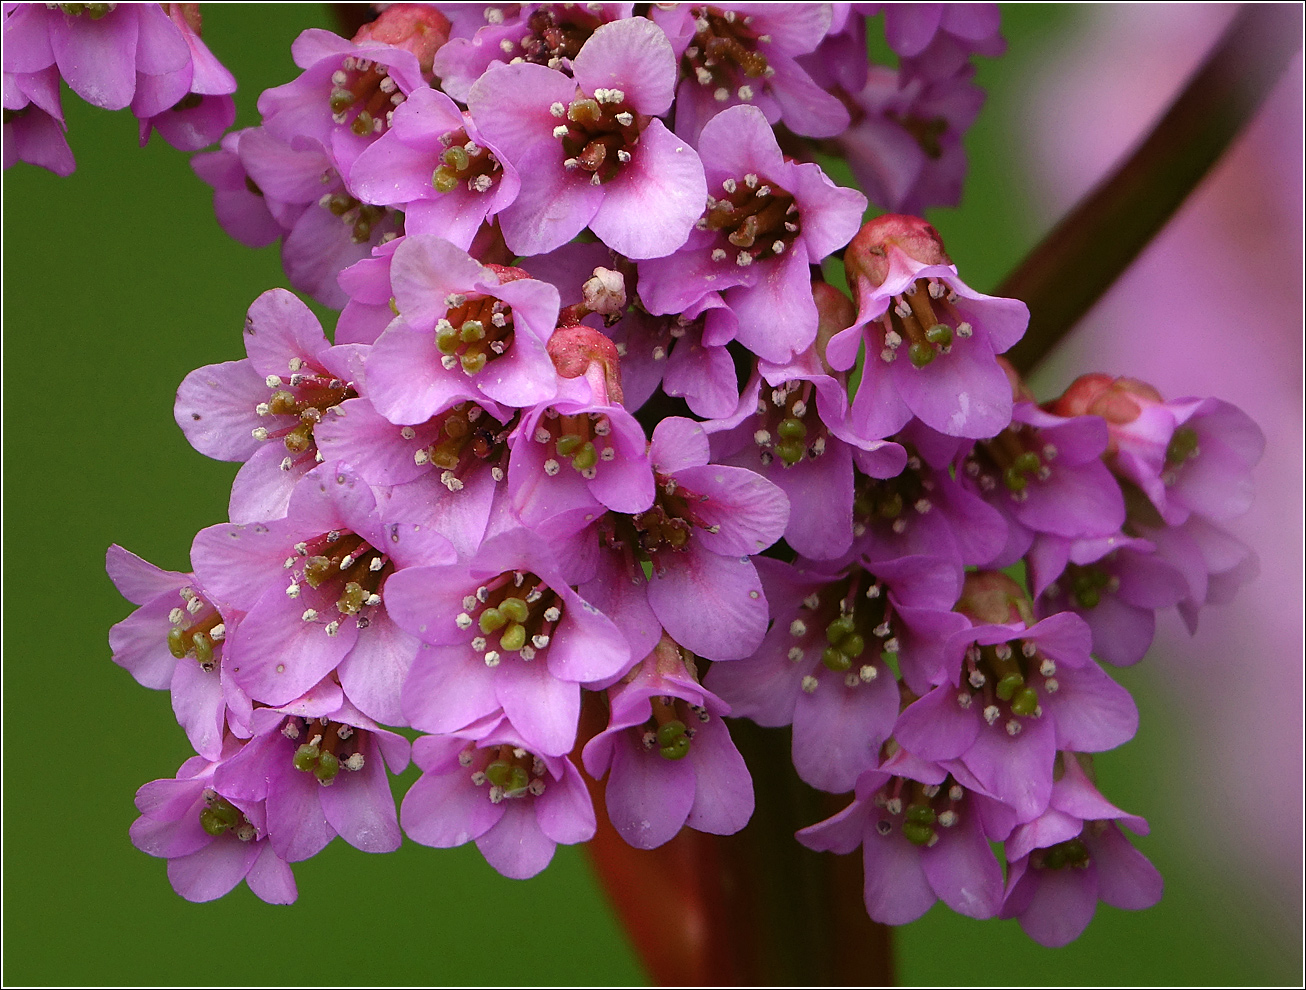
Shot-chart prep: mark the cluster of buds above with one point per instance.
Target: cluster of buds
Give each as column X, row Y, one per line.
column 586, row 430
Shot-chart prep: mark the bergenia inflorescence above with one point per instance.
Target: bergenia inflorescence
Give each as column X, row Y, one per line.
column 588, row 439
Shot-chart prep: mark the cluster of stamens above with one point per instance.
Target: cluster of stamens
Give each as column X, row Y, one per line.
column 219, row 816
column 756, row 219
column 598, row 133
column 672, row 728
column 724, row 48
column 93, row 10
column 1085, row 583
column 361, row 217
column 347, row 559
column 197, row 629
column 1011, row 458
column 1182, row 448
column 308, row 396
column 467, row 437
column 921, row 809
column 888, row 500
column 860, row 626
column 580, row 439
column 464, row 162
column 924, row 316
column 1005, row 675
column 511, row 772
column 789, row 427
column 327, row 747
column 1072, row 854
column 473, row 332
column 516, row 607
column 366, row 89
column 556, row 34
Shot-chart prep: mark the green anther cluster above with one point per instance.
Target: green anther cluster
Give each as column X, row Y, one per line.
column 846, row 644
column 1073, row 854
column 324, row 765
column 454, row 163
column 1011, row 686
column 508, row 616
column 793, row 433
column 450, row 340
column 918, row 824
column 673, row 743
column 363, row 124
column 1182, row 446
column 940, row 335
column 921, row 354
column 1015, row 477
column 188, row 102
column 184, row 641
column 584, row 455
column 352, row 598
column 1088, row 585
column 220, row 815
column 96, row 10
column 317, row 570
column 512, row 778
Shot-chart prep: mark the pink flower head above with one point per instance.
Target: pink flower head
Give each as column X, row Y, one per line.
column 211, row 841
column 238, row 202
column 931, row 341
column 206, row 109
column 669, row 754
column 767, row 221
column 1072, row 856
column 264, row 410
column 935, row 40
column 485, row 784
column 589, row 150
column 33, row 121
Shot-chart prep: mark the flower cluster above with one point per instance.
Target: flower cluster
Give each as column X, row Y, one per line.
column 147, row 56
column 587, row 434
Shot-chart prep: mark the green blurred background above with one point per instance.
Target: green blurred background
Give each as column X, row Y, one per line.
column 117, row 283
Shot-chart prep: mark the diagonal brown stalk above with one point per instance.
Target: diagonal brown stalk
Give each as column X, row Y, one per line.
column 1074, row 265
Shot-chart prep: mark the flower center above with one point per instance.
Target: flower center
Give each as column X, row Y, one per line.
column 857, row 616
column 467, row 439
column 463, row 161
column 598, row 133
column 197, row 630
column 511, row 772
column 326, row 747
column 363, row 94
column 473, row 332
column 362, row 218
column 789, row 427
column 893, row 501
column 755, row 218
column 517, row 610
column 1012, row 458
column 347, row 566
column 93, row 10
column 924, row 315
column 580, row 439
column 1086, row 583
column 918, row 810
column 672, row 727
column 925, row 132
column 724, row 49
column 1007, row 676
column 557, row 32
column 1072, row 854
column 219, row 816
column 306, row 395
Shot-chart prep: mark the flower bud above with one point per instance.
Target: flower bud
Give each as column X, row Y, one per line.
column 414, row 27
column 992, row 597
column 868, row 254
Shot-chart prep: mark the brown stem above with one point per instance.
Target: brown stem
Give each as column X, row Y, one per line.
column 1066, row 274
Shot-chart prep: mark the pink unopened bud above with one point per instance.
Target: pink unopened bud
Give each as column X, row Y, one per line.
column 414, row 27
column 1114, row 399
column 578, row 350
column 992, row 597
column 868, row 254
column 834, row 312
column 605, row 292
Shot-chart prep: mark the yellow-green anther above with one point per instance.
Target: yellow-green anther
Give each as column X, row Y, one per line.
column 1009, row 685
column 834, row 659
column 791, row 451
column 177, row 642
column 1182, row 446
column 568, row 444
column 472, row 331
column 584, row 111
column 203, row 648
column 515, row 609
column 212, row 822
column 921, row 814
column 917, row 834
column 514, row 637
column 921, row 354
column 351, row 600
column 499, row 773
column 517, row 780
column 940, row 334
column 1072, row 853
column 282, row 403
column 1027, row 462
column 1025, row 702
column 668, row 732
column 447, row 340
column 317, row 570
column 492, row 619
column 586, row 457
column 456, row 158
column 852, row 645
column 891, row 507
column 341, row 100
column 840, row 628
column 306, row 756
column 362, row 125
column 472, row 363
column 1014, row 479
column 327, row 768
column 1088, row 597
column 792, row 429
column 444, row 180
column 299, row 439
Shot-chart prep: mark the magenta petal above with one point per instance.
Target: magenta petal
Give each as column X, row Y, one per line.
column 750, row 511
column 296, row 825
column 838, row 730
column 280, row 329
column 271, row 879
column 361, row 809
column 678, row 443
column 648, row 797
column 515, row 846
column 140, row 645
column 633, row 55
column 1016, row 770
column 375, row 669
column 213, row 871
column 963, row 871
column 262, row 488
column 895, row 889
column 215, row 409
column 963, row 394
column 723, row 788
column 1062, row 905
column 445, row 810
column 552, row 206
column 712, row 605
column 936, row 727
column 587, row 645
column 98, row 58
column 447, row 690
column 542, row 708
column 198, row 703
column 841, row 833
column 564, row 811
column 137, row 579
column 1094, row 713
column 1125, row 878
